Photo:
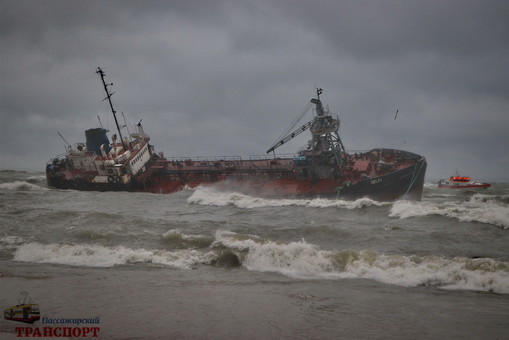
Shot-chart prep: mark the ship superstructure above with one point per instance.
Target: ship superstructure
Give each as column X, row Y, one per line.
column 99, row 164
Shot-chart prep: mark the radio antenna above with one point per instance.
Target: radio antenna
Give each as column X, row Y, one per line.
column 108, row 96
column 63, row 139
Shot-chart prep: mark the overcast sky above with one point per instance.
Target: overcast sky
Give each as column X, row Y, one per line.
column 226, row 77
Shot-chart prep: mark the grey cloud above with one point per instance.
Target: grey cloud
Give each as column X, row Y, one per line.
column 226, row 77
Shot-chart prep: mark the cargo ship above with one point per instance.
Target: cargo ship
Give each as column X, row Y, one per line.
column 322, row 168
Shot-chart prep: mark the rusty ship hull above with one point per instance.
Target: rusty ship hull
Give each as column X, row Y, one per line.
column 285, row 177
column 323, row 168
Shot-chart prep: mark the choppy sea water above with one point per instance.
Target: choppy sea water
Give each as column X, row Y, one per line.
column 205, row 264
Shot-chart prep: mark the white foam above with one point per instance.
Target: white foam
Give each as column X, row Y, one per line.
column 296, row 259
column 10, row 242
column 479, row 208
column 213, row 197
column 21, row 186
column 457, row 273
column 186, row 239
column 40, row 178
column 430, row 185
column 99, row 256
column 304, row 260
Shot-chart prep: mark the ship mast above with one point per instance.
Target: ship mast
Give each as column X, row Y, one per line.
column 108, row 96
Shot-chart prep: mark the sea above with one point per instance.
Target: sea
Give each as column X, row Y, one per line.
column 210, row 264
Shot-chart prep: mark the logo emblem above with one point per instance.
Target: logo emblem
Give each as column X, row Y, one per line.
column 24, row 311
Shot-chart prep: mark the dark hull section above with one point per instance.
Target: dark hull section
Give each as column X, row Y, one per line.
column 406, row 183
column 80, row 184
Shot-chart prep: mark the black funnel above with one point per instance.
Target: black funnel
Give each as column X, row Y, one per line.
column 95, row 138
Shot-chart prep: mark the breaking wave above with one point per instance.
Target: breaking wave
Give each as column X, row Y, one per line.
column 307, row 261
column 21, row 186
column 9, row 242
column 36, row 179
column 99, row 256
column 178, row 238
column 430, row 185
column 214, row 197
column 299, row 260
column 479, row 208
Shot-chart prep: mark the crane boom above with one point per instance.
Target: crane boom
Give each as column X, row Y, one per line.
column 290, row 136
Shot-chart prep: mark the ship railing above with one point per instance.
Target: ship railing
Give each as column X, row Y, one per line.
column 356, row 151
column 270, row 157
column 205, row 158
column 57, row 157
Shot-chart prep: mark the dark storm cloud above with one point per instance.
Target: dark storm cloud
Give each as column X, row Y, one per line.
column 226, row 77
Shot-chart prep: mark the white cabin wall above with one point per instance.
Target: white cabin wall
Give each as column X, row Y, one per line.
column 139, row 160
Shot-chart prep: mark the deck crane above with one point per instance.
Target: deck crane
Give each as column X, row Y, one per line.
column 290, row 136
column 324, row 131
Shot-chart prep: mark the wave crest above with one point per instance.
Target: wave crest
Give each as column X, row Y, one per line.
column 479, row 208
column 179, row 239
column 298, row 259
column 213, row 197
column 307, row 261
column 21, row 186
column 99, row 256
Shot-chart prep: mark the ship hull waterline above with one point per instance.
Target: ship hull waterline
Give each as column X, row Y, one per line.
column 470, row 187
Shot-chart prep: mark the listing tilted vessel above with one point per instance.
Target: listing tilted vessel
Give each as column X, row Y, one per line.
column 322, row 168
column 461, row 182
